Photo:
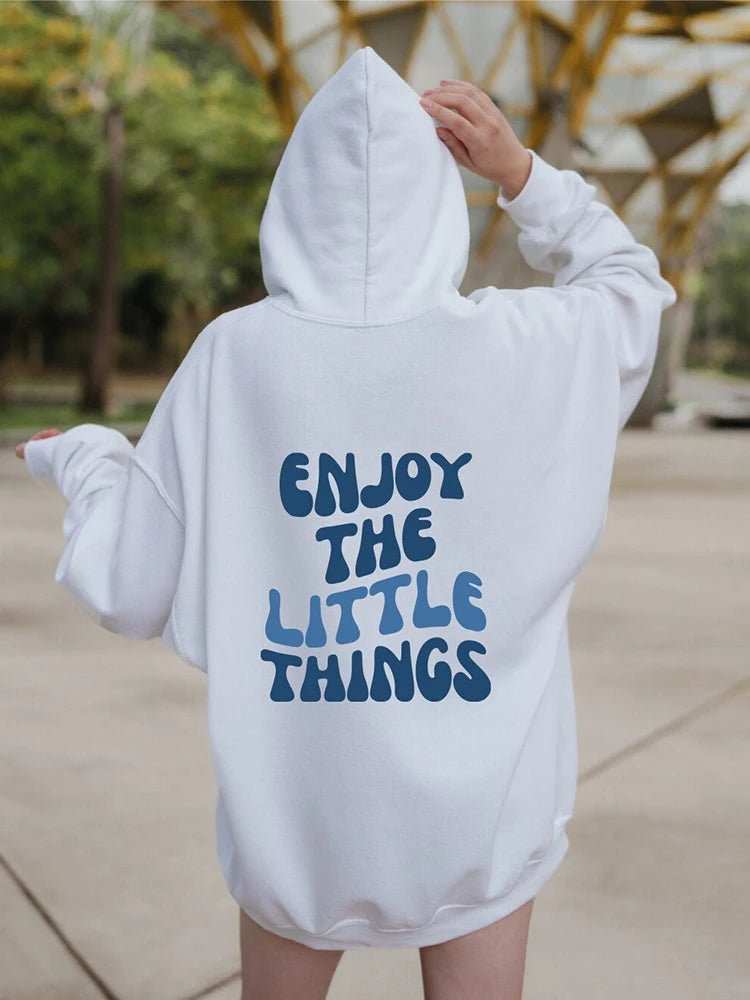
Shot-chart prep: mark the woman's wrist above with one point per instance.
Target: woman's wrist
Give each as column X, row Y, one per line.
column 513, row 178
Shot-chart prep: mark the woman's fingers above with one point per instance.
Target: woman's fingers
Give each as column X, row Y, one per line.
column 490, row 146
column 466, row 100
column 478, row 95
column 456, row 147
column 457, row 123
column 460, row 101
column 49, row 432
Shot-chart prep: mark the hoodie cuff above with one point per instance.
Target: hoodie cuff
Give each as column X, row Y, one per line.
column 38, row 455
column 545, row 191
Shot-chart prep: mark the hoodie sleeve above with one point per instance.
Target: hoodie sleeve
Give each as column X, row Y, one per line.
column 124, row 537
column 603, row 278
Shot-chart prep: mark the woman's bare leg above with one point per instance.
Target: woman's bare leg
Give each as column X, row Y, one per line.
column 487, row 964
column 277, row 968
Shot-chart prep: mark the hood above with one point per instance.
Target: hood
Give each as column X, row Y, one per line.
column 366, row 218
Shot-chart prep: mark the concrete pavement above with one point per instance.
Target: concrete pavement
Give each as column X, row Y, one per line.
column 109, row 885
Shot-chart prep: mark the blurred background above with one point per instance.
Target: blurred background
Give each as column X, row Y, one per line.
column 138, row 141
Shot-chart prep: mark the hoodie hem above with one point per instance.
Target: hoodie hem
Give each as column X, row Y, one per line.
column 451, row 921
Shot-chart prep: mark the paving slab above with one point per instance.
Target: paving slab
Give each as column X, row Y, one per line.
column 36, row 964
column 652, row 901
column 107, row 787
column 658, row 618
column 226, row 991
column 108, row 813
column 378, row 974
column 105, row 775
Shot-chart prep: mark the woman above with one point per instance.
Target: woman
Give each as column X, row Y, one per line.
column 360, row 508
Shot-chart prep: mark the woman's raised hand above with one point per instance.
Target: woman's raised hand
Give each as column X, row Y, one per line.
column 478, row 134
column 50, row 432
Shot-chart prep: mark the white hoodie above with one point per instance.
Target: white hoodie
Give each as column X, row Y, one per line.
column 360, row 507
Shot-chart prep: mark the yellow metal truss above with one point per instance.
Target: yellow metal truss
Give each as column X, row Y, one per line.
column 654, row 96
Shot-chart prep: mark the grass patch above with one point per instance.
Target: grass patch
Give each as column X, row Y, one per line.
column 66, row 415
column 738, row 375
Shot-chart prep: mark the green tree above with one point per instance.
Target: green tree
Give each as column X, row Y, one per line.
column 720, row 337
column 46, row 149
column 200, row 148
column 204, row 145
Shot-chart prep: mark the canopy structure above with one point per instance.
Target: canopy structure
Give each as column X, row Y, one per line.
column 654, row 97
column 649, row 100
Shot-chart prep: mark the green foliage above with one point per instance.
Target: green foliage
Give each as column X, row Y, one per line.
column 47, row 202
column 201, row 145
column 199, row 169
column 64, row 415
column 721, row 328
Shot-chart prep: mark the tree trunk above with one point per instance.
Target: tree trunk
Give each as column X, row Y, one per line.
column 99, row 364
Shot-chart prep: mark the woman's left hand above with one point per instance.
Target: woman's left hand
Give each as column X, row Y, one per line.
column 39, row 434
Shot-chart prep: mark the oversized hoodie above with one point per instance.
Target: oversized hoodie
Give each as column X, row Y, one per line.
column 360, row 508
